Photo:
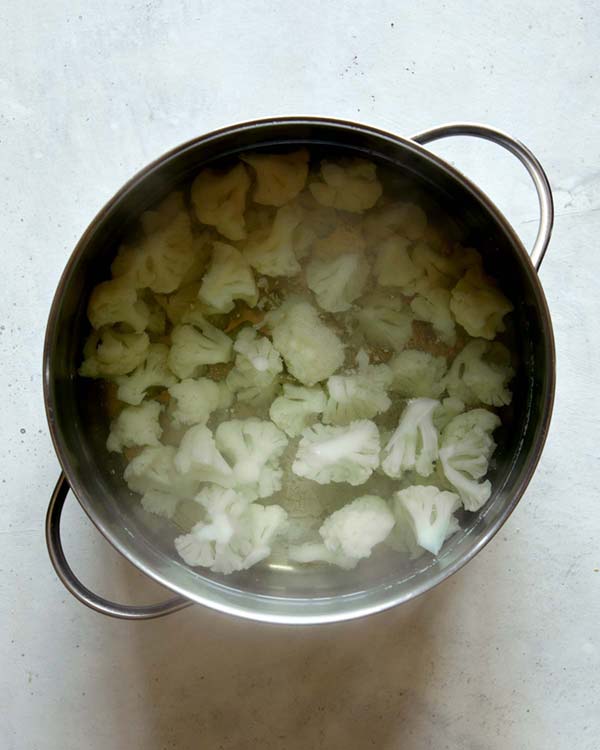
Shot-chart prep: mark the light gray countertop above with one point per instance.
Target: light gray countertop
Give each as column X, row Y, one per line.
column 506, row 654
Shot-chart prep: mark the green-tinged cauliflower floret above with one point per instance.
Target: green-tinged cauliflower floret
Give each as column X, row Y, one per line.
column 433, row 306
column 418, row 374
column 271, row 251
column 311, row 351
column 152, row 372
column 443, row 270
column 414, row 443
column 235, row 535
column 349, row 534
column 338, row 281
column 228, row 278
column 394, row 266
column 279, row 177
column 114, row 302
column 478, row 305
column 350, row 186
column 429, row 512
column 253, row 447
column 219, row 200
column 297, row 408
column 466, row 447
column 153, row 470
column 338, row 454
column 405, row 219
column 360, row 394
column 446, row 411
column 109, row 353
column 385, row 321
column 481, row 373
column 254, row 377
column 193, row 401
column 135, row 425
column 195, row 343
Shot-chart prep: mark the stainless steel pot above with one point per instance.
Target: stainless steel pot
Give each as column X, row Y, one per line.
column 284, row 594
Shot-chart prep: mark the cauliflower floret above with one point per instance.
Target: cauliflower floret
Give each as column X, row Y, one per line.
column 257, row 366
column 153, row 371
column 135, row 425
column 195, row 343
column 433, row 306
column 228, row 278
column 271, row 251
column 350, row 186
column 153, row 470
column 279, row 177
column 109, row 353
column 194, row 400
column 478, row 306
column 349, row 534
column 157, row 319
column 253, row 447
column 406, row 219
column 338, row 454
column 446, row 411
column 297, row 408
column 394, row 266
column 343, row 240
column 115, row 301
column 443, row 270
column 429, row 512
column 418, row 374
column 219, row 200
column 235, row 536
column 385, row 321
column 198, row 457
column 311, row 351
column 414, row 443
column 161, row 504
column 361, row 394
column 465, row 452
column 176, row 305
column 481, row 373
column 337, row 282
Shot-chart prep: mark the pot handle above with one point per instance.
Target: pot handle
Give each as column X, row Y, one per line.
column 525, row 156
column 74, row 585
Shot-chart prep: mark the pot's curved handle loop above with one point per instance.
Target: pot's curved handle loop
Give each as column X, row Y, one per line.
column 525, row 156
column 74, row 585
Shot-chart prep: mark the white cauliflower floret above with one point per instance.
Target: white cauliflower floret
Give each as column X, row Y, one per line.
column 195, row 343
column 361, row 394
column 253, row 447
column 198, row 457
column 478, row 306
column 349, row 534
column 394, row 266
column 311, row 351
column 257, row 366
column 194, row 400
column 153, row 371
column 405, row 219
column 228, row 278
column 481, row 373
column 414, row 443
column 429, row 512
column 385, row 321
column 115, row 301
column 153, row 470
column 271, row 251
column 135, row 425
column 446, row 411
column 338, row 281
column 465, row 452
column 350, row 186
column 418, row 374
column 297, row 408
column 343, row 240
column 235, row 535
column 443, row 269
column 219, row 200
column 433, row 306
column 109, row 353
column 338, row 454
column 162, row 504
column 279, row 177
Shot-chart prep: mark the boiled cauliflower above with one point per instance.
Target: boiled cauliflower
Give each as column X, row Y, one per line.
column 109, row 353
column 446, row 411
column 219, row 200
column 465, row 449
column 153, row 470
column 478, row 306
column 178, row 304
column 199, row 458
column 418, row 374
column 279, row 177
column 385, row 321
column 135, row 426
column 193, row 401
column 254, row 377
column 197, row 343
column 114, row 302
column 481, row 373
column 297, row 408
column 228, row 278
column 394, row 265
column 443, row 269
column 162, row 504
column 153, row 371
column 338, row 454
column 414, row 443
column 429, row 512
column 311, row 351
column 361, row 394
column 343, row 240
column 271, row 251
column 404, row 219
column 337, row 282
column 433, row 306
column 349, row 186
